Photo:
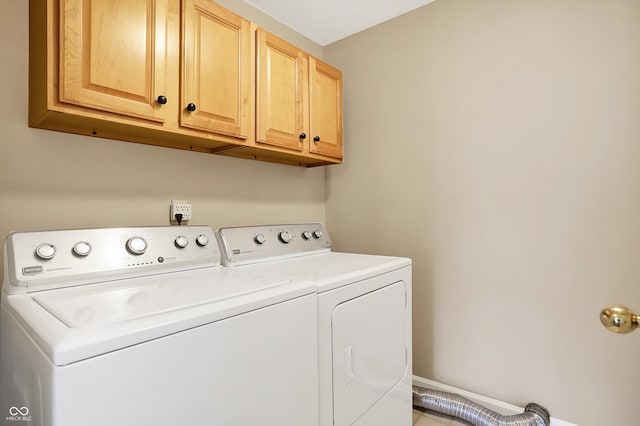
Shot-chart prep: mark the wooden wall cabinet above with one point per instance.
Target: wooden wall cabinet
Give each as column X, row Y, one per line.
column 325, row 103
column 176, row 74
column 110, row 57
column 216, row 69
column 281, row 101
column 299, row 99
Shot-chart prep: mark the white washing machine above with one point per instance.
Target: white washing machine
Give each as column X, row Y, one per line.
column 364, row 318
column 142, row 326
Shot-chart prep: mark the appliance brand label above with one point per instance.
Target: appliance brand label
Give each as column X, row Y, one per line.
column 31, row 270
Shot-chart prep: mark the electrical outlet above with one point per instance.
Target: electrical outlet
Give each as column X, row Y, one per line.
column 182, row 207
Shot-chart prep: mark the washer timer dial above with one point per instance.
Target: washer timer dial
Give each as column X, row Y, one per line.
column 202, row 240
column 181, row 241
column 81, row 248
column 285, row 237
column 46, row 251
column 136, row 245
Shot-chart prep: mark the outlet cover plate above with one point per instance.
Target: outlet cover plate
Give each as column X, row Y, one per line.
column 182, row 207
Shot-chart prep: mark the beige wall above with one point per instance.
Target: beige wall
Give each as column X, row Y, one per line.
column 497, row 143
column 55, row 180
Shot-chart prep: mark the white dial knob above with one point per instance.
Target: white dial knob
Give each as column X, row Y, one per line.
column 285, row 237
column 136, row 245
column 260, row 239
column 46, row 251
column 306, row 235
column 202, row 240
column 82, row 248
column 317, row 234
column 181, row 241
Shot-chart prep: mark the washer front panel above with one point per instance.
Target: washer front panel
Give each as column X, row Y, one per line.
column 257, row 368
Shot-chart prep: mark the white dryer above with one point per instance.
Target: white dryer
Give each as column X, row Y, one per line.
column 142, row 326
column 364, row 318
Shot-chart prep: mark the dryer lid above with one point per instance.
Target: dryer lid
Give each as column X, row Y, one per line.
column 331, row 270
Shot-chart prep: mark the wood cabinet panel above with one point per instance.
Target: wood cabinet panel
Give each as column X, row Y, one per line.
column 279, row 86
column 113, row 55
column 216, row 63
column 325, row 109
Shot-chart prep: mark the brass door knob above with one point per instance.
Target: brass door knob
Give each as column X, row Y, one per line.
column 619, row 319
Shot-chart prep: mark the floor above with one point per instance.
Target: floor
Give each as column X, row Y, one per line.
column 421, row 418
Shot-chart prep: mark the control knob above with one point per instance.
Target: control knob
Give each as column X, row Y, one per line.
column 46, row 251
column 136, row 245
column 81, row 248
column 181, row 241
column 202, row 240
column 306, row 235
column 285, row 237
column 260, row 239
column 317, row 234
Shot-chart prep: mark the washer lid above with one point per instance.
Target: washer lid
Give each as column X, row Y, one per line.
column 94, row 305
column 76, row 323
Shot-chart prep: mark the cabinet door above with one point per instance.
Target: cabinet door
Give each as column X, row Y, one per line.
column 280, row 90
column 216, row 64
column 113, row 55
column 326, row 109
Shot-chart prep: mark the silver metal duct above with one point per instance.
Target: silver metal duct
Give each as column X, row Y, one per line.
column 462, row 408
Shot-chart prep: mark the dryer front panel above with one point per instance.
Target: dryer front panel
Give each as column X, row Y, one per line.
column 369, row 350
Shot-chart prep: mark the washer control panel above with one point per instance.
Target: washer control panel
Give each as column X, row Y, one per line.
column 50, row 259
column 249, row 244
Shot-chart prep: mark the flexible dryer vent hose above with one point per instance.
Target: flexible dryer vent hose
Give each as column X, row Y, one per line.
column 462, row 408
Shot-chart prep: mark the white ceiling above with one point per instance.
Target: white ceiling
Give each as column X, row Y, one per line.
column 326, row 21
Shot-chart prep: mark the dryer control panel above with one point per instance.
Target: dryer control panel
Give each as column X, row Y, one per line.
column 251, row 244
column 62, row 258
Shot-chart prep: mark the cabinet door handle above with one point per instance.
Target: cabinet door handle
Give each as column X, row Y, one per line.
column 162, row 100
column 316, row 139
column 191, row 107
column 303, row 136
